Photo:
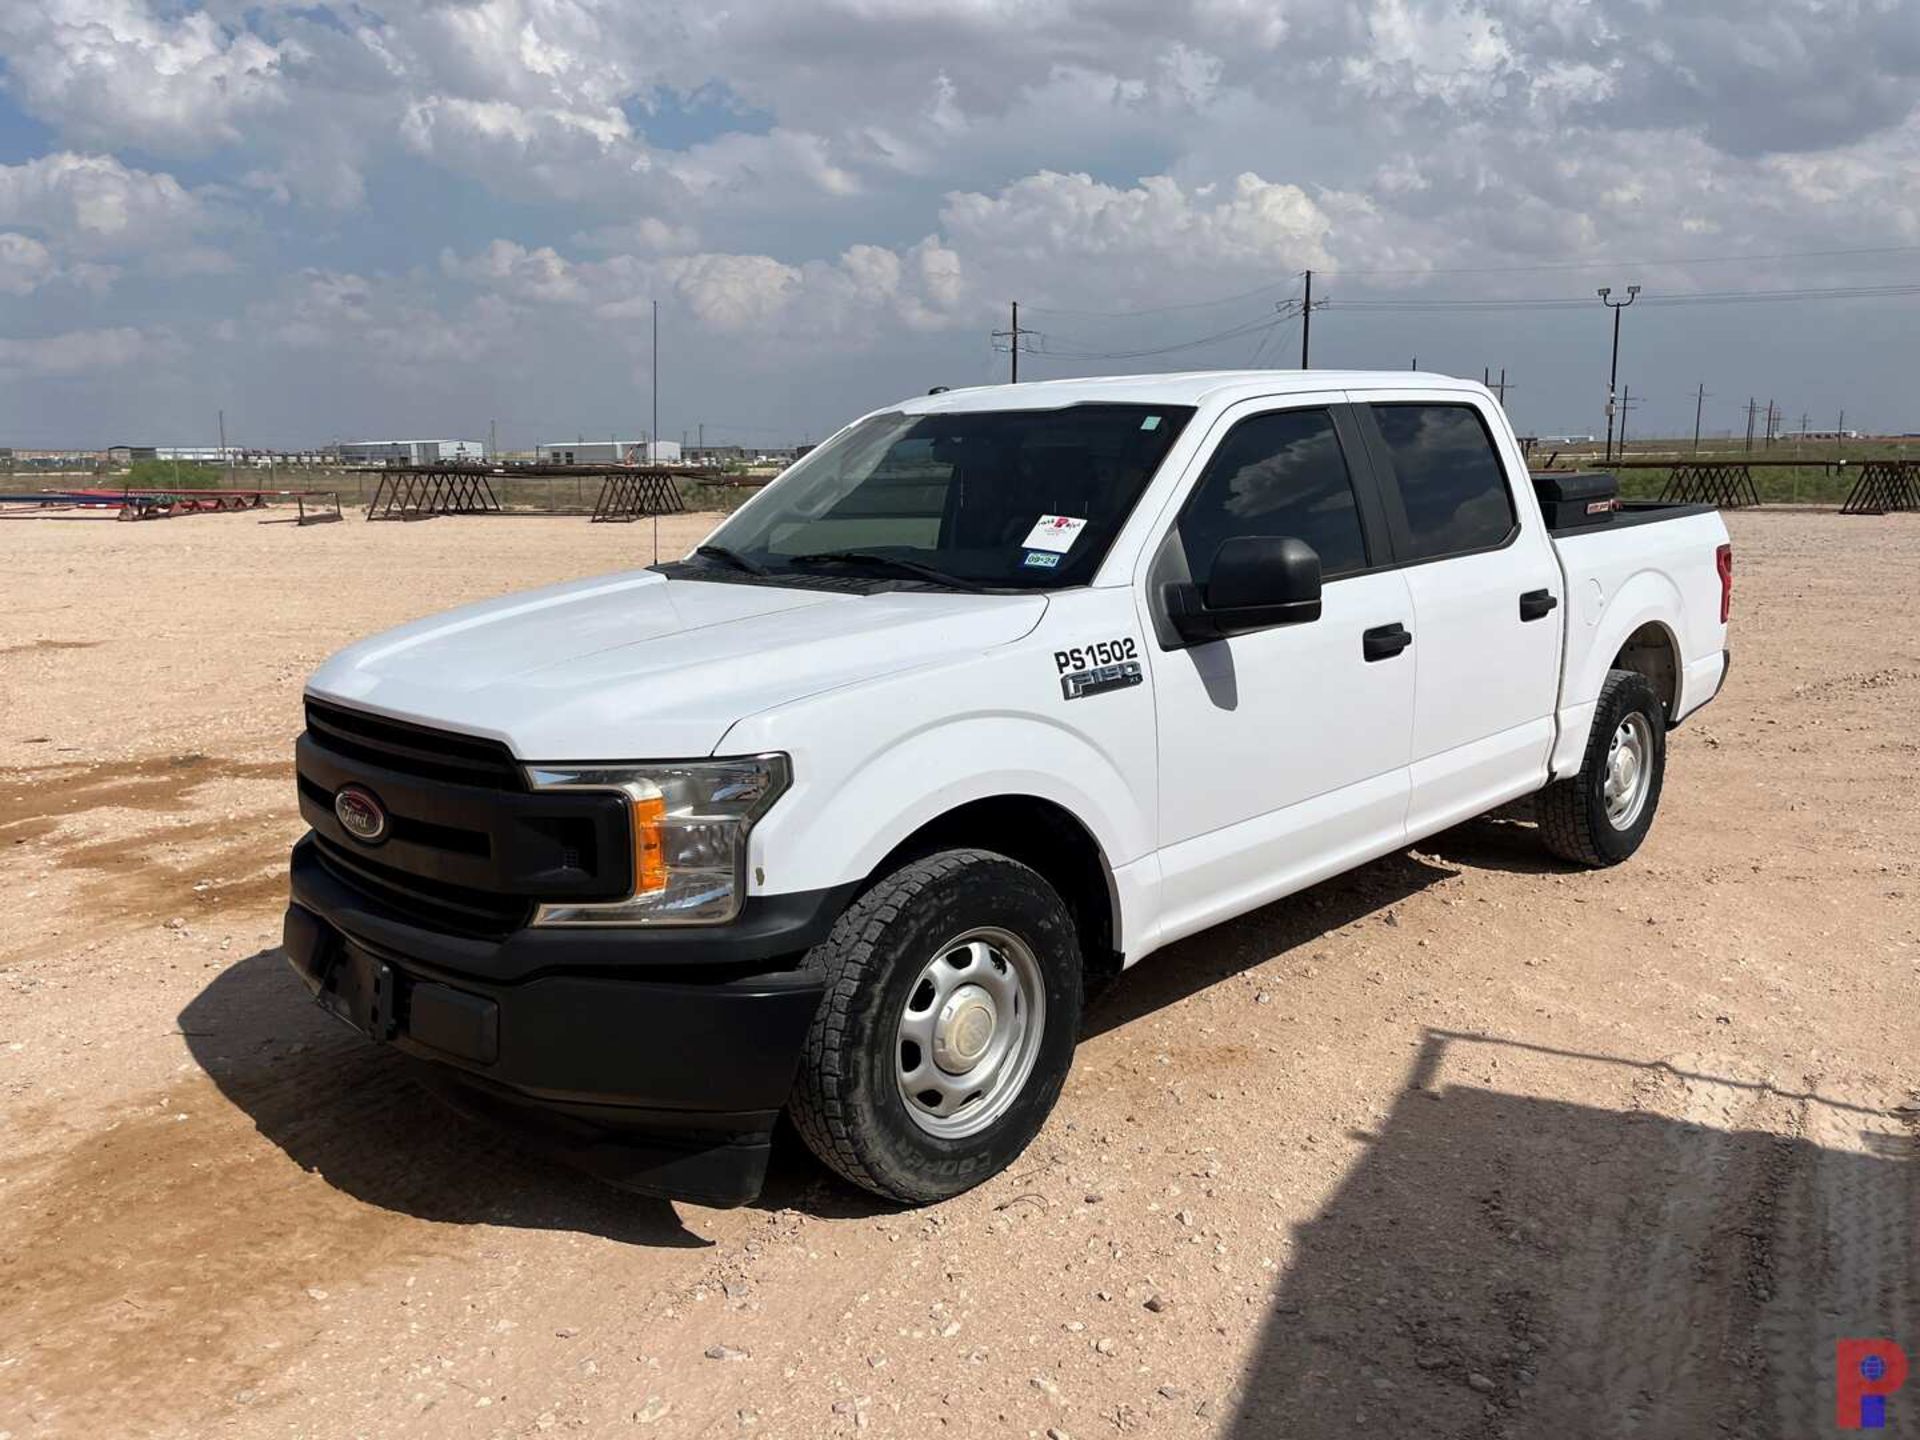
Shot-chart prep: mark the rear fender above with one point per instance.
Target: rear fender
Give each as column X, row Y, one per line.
column 1647, row 597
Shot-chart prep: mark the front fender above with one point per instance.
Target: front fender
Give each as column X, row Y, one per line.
column 837, row 827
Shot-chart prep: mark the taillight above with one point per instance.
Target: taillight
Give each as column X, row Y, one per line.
column 1723, row 561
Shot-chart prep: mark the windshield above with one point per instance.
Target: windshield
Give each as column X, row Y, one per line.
column 1001, row 498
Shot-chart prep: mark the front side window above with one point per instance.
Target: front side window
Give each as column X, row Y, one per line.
column 1277, row 474
column 1024, row 499
column 1452, row 484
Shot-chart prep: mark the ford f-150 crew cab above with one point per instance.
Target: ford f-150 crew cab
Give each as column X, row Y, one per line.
column 993, row 694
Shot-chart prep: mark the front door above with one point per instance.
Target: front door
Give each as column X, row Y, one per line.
column 1283, row 753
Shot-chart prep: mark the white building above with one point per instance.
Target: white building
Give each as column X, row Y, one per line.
column 608, row 452
column 411, row 452
column 198, row 454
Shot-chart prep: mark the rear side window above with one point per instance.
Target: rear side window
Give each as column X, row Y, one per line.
column 1452, row 484
column 1277, row 474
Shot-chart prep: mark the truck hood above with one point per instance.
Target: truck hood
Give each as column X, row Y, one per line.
column 637, row 666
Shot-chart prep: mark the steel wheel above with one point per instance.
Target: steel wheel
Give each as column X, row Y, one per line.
column 969, row 1033
column 1629, row 770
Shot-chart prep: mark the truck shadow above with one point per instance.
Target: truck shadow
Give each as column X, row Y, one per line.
column 350, row 1112
column 1506, row 840
column 1510, row 1264
column 1204, row 960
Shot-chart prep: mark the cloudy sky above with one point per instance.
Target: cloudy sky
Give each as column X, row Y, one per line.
column 339, row 220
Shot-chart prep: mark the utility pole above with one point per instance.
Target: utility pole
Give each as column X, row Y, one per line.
column 1501, row 391
column 1772, row 419
column 1753, row 409
column 1613, row 372
column 1626, row 404
column 1012, row 336
column 1306, row 326
column 1699, row 400
column 1840, row 433
column 653, row 436
column 226, row 475
column 493, row 439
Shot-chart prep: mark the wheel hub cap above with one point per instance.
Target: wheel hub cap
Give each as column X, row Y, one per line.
column 970, row 1032
column 964, row 1030
column 1629, row 755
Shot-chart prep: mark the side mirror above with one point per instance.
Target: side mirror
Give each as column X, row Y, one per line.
column 1257, row 583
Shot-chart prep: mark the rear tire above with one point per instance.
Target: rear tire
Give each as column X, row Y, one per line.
column 953, row 998
column 1601, row 815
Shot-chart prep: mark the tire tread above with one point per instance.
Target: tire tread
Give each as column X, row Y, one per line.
column 846, row 961
column 1564, row 810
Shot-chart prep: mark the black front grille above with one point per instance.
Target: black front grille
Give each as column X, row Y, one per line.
column 469, row 848
column 413, row 749
column 455, row 909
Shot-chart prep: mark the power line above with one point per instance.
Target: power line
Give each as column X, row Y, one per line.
column 1047, row 344
column 1272, row 333
column 1160, row 309
column 1012, row 337
column 1630, row 264
column 1703, row 297
column 1338, row 272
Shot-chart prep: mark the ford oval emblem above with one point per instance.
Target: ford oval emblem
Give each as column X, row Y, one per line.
column 360, row 814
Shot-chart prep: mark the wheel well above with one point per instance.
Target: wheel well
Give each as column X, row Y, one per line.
column 1649, row 651
column 1047, row 838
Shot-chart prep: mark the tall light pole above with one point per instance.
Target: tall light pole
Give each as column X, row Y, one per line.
column 1613, row 373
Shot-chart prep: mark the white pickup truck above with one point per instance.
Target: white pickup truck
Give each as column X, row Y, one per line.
column 993, row 694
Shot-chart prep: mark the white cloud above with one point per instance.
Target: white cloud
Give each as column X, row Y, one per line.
column 82, row 210
column 124, row 71
column 835, row 183
column 98, row 201
column 80, row 352
column 25, row 264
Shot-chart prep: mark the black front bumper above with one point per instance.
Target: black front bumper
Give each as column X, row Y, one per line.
column 657, row 1059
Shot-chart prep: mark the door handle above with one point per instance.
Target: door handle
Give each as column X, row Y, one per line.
column 1383, row 642
column 1537, row 603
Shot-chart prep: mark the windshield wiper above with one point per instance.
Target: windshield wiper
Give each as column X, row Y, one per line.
column 884, row 562
column 732, row 557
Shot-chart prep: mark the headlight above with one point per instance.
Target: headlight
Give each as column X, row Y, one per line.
column 690, row 823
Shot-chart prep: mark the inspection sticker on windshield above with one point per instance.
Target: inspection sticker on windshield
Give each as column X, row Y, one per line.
column 1054, row 532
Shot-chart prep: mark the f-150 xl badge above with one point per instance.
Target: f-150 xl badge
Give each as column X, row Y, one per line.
column 1088, row 670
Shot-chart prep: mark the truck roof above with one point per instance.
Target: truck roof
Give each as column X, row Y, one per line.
column 1191, row 387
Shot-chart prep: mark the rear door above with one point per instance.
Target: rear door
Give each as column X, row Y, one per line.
column 1486, row 601
column 1283, row 752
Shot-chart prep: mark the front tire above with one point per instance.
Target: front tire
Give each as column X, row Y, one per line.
column 1601, row 815
column 953, row 998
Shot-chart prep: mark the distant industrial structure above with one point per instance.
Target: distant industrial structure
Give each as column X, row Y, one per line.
column 410, row 452
column 608, row 452
column 722, row 456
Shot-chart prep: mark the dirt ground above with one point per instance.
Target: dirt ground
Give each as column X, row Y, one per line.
column 1462, row 1144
